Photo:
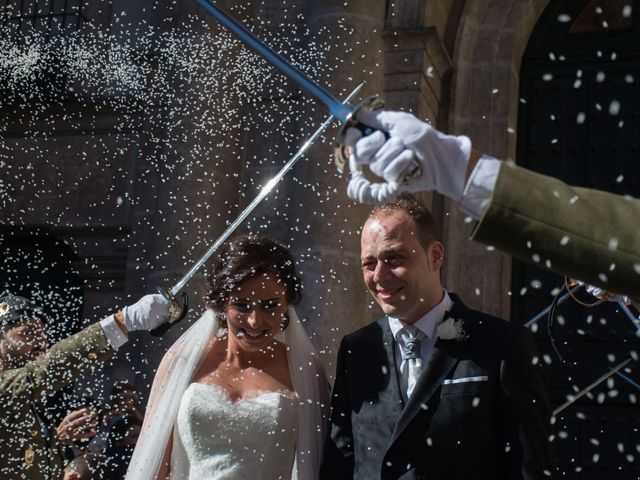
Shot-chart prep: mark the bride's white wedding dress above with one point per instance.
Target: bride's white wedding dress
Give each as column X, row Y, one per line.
column 252, row 438
column 255, row 438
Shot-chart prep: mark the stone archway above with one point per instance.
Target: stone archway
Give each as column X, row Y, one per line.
column 490, row 41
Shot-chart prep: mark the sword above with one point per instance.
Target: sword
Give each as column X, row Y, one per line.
column 634, row 321
column 178, row 310
column 593, row 385
column 627, row 379
column 544, row 311
column 344, row 112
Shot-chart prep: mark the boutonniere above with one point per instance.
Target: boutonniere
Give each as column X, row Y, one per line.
column 4, row 309
column 451, row 329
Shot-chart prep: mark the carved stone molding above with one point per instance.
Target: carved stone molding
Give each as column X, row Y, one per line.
column 416, row 70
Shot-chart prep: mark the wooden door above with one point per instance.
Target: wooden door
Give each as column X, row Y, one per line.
column 579, row 121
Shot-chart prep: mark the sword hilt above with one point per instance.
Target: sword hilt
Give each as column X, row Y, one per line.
column 341, row 151
column 178, row 308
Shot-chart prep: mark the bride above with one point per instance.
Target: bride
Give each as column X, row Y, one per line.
column 241, row 394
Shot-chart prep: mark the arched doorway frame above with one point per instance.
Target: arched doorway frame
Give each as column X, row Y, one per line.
column 491, row 120
column 490, row 42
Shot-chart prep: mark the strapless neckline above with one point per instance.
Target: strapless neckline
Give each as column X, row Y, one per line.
column 215, row 438
column 252, row 395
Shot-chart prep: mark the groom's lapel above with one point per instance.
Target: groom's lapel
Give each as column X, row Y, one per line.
column 440, row 364
column 444, row 357
column 391, row 396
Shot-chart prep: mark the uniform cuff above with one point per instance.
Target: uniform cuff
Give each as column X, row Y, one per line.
column 112, row 331
column 479, row 189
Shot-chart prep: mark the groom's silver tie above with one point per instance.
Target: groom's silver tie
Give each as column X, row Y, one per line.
column 411, row 365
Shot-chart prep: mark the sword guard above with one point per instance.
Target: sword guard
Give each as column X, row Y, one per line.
column 341, row 150
column 178, row 308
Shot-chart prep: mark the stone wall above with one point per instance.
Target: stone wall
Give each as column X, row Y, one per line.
column 137, row 221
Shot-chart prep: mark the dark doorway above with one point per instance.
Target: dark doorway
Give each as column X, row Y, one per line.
column 38, row 265
column 579, row 121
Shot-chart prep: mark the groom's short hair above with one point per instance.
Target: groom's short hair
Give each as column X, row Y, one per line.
column 418, row 211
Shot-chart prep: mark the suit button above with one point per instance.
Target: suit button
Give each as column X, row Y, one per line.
column 34, row 433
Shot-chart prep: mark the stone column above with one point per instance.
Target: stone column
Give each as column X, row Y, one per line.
column 489, row 45
column 417, row 73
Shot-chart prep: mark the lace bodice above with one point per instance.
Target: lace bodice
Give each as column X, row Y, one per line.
column 215, row 438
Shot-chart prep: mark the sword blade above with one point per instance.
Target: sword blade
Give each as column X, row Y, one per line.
column 544, row 311
column 629, row 380
column 337, row 108
column 635, row 321
column 254, row 203
column 572, row 399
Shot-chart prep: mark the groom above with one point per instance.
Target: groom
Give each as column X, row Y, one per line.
column 434, row 389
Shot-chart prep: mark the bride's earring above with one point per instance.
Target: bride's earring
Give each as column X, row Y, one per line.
column 222, row 320
column 285, row 322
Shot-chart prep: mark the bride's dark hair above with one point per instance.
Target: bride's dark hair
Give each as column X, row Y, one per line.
column 245, row 257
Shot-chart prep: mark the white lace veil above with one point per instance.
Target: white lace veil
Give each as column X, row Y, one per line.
column 174, row 375
column 312, row 387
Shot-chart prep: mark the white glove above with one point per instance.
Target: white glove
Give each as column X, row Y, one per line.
column 147, row 313
column 363, row 191
column 443, row 158
column 601, row 293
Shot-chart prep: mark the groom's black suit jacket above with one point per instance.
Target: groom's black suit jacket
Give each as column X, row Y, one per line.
column 456, row 425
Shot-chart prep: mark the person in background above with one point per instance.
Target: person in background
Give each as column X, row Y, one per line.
column 119, row 433
column 77, row 428
column 29, row 372
column 88, row 466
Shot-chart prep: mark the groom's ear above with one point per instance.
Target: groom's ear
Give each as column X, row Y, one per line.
column 435, row 254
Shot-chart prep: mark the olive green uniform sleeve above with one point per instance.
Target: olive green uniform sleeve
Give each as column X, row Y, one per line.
column 585, row 234
column 26, row 451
